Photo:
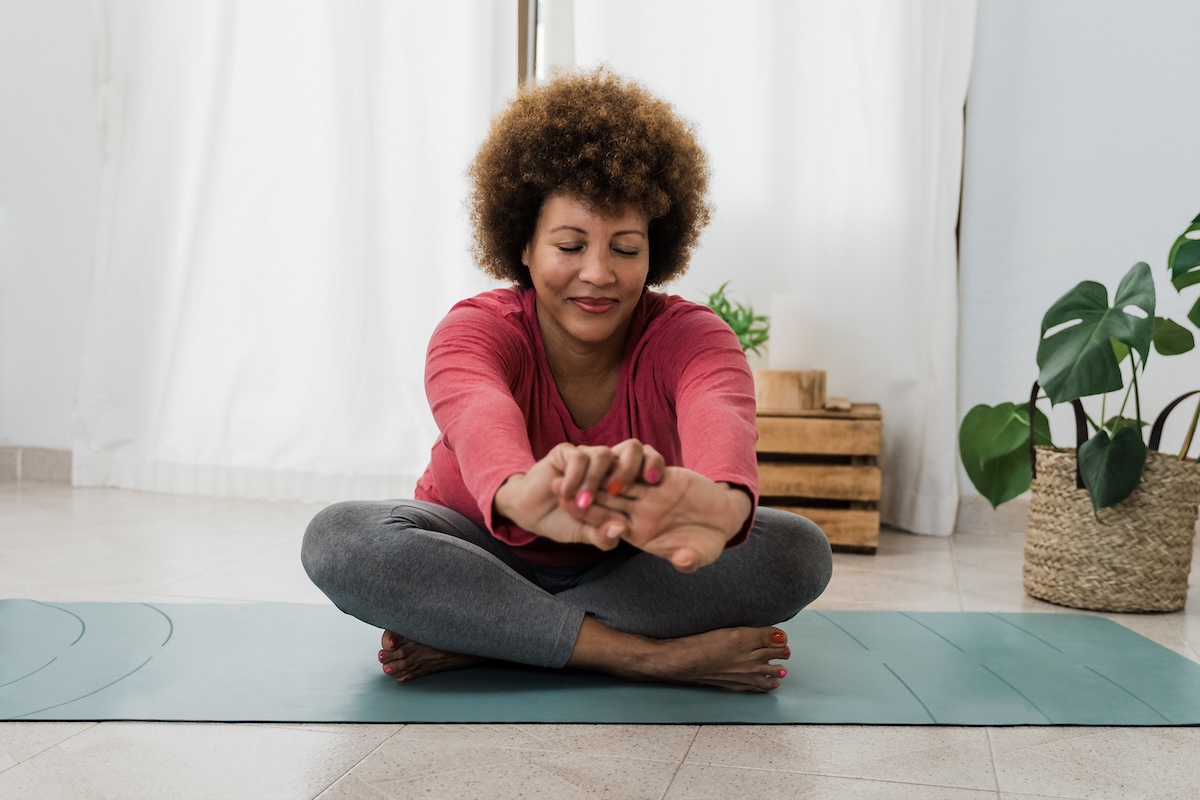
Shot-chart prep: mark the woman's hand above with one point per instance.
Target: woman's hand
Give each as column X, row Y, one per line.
column 588, row 471
column 685, row 518
column 543, row 502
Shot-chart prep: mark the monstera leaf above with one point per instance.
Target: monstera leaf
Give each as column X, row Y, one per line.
column 994, row 445
column 1078, row 360
column 1112, row 468
column 1184, row 263
column 1171, row 338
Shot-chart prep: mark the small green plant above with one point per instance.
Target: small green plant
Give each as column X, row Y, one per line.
column 1085, row 343
column 752, row 329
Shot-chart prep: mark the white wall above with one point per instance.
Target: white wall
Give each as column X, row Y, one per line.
column 49, row 184
column 1082, row 158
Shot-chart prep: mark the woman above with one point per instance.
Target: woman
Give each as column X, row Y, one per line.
column 590, row 502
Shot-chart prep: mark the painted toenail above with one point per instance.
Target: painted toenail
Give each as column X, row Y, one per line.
column 778, row 637
column 787, row 652
column 382, row 657
column 783, row 673
column 388, row 670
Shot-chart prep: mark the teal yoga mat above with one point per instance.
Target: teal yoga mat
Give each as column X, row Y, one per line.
column 299, row 663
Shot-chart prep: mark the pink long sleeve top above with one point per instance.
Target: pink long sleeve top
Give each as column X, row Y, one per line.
column 685, row 389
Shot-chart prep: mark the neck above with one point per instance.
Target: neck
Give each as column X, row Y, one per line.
column 573, row 361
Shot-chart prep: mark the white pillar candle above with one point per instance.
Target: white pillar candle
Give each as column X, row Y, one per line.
column 793, row 342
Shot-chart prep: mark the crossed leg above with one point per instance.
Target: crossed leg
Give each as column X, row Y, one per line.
column 449, row 596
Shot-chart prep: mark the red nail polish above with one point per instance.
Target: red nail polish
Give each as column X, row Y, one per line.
column 583, row 499
column 382, row 658
column 783, row 673
column 787, row 652
column 652, row 475
column 615, row 487
column 388, row 670
column 778, row 637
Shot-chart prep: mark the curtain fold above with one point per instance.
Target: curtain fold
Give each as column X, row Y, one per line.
column 835, row 133
column 281, row 226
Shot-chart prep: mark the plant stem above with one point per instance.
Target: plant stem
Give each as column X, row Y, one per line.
column 1137, row 398
column 1132, row 383
column 1191, row 431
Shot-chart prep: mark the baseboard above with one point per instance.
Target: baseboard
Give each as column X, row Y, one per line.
column 35, row 464
column 976, row 515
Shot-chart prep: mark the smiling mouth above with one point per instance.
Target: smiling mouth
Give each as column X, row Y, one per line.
column 594, row 305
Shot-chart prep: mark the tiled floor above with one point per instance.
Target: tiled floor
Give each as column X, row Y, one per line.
column 62, row 544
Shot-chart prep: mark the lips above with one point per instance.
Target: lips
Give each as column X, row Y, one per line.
column 593, row 305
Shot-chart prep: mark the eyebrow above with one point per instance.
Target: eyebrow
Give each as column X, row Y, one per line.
column 581, row 230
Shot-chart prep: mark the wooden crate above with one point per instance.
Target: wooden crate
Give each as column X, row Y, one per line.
column 824, row 465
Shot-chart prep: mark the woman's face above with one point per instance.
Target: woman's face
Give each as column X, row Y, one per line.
column 588, row 270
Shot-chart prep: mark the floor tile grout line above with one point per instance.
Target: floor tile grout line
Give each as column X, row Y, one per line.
column 813, row 774
column 682, row 761
column 992, row 758
column 351, row 768
column 48, row 747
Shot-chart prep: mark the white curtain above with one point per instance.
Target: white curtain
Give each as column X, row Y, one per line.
column 281, row 226
column 835, row 132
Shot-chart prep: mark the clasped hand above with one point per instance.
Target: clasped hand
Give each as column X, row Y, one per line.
column 602, row 495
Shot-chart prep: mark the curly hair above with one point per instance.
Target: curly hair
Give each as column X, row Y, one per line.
column 602, row 139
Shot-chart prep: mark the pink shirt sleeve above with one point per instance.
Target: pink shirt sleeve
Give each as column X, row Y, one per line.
column 471, row 367
column 714, row 402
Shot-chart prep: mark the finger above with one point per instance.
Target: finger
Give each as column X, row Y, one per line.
column 595, row 515
column 599, row 460
column 685, row 560
column 654, row 466
column 575, row 465
column 597, row 536
column 687, row 552
column 627, row 468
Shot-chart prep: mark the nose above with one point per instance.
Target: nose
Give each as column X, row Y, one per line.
column 597, row 268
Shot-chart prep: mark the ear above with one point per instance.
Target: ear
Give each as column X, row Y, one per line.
column 525, row 254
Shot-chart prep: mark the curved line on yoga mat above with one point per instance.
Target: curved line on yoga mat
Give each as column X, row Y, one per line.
column 931, row 630
column 1131, row 694
column 170, row 624
column 1045, row 716
column 1022, row 630
column 843, row 630
column 35, row 672
column 89, row 694
column 932, row 718
column 82, row 624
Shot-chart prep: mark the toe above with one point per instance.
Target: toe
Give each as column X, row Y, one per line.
column 776, row 636
column 389, row 640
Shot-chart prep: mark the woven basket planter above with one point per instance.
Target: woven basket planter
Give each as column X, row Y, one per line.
column 1135, row 558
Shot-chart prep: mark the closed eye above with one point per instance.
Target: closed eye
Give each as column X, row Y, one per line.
column 570, row 248
column 626, row 253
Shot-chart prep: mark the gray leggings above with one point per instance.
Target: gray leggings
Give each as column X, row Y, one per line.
column 431, row 575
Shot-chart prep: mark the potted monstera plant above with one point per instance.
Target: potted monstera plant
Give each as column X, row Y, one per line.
column 1113, row 495
column 1089, row 347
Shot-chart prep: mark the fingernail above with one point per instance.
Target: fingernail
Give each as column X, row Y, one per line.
column 583, row 499
column 388, row 670
column 615, row 487
column 778, row 637
column 652, row 475
column 783, row 673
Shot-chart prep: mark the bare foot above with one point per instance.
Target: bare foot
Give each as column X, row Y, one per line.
column 737, row 659
column 404, row 659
